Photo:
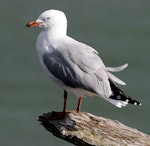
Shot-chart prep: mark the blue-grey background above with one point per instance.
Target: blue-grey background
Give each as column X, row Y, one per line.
column 119, row 30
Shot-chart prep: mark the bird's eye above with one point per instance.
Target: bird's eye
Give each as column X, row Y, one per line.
column 48, row 18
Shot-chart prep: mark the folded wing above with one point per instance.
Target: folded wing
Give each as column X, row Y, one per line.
column 81, row 67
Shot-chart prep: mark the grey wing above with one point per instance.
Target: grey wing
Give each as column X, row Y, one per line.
column 89, row 61
column 65, row 71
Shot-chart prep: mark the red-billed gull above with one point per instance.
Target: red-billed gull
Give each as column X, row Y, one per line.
column 73, row 65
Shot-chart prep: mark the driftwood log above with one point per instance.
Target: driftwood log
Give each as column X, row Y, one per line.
column 85, row 129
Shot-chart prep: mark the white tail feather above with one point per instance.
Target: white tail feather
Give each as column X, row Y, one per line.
column 115, row 79
column 117, row 103
column 117, row 69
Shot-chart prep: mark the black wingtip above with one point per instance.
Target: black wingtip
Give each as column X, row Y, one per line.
column 118, row 94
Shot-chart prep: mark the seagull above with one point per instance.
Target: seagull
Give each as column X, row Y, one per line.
column 75, row 66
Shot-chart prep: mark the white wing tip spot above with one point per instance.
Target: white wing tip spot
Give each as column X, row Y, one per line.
column 127, row 100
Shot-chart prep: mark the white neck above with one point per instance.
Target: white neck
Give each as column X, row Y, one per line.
column 55, row 31
column 49, row 36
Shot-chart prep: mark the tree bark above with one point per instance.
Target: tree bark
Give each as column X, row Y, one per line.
column 85, row 129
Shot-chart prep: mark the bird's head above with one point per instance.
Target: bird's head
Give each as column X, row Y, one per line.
column 50, row 19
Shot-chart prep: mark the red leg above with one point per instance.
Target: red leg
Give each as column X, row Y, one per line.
column 79, row 104
column 65, row 101
column 60, row 115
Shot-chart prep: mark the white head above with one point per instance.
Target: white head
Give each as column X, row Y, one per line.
column 51, row 20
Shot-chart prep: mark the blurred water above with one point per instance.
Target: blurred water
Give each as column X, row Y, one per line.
column 119, row 30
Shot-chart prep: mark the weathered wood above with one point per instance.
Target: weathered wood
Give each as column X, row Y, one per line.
column 85, row 129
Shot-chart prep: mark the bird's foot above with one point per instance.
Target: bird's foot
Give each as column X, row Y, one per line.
column 57, row 115
column 61, row 115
